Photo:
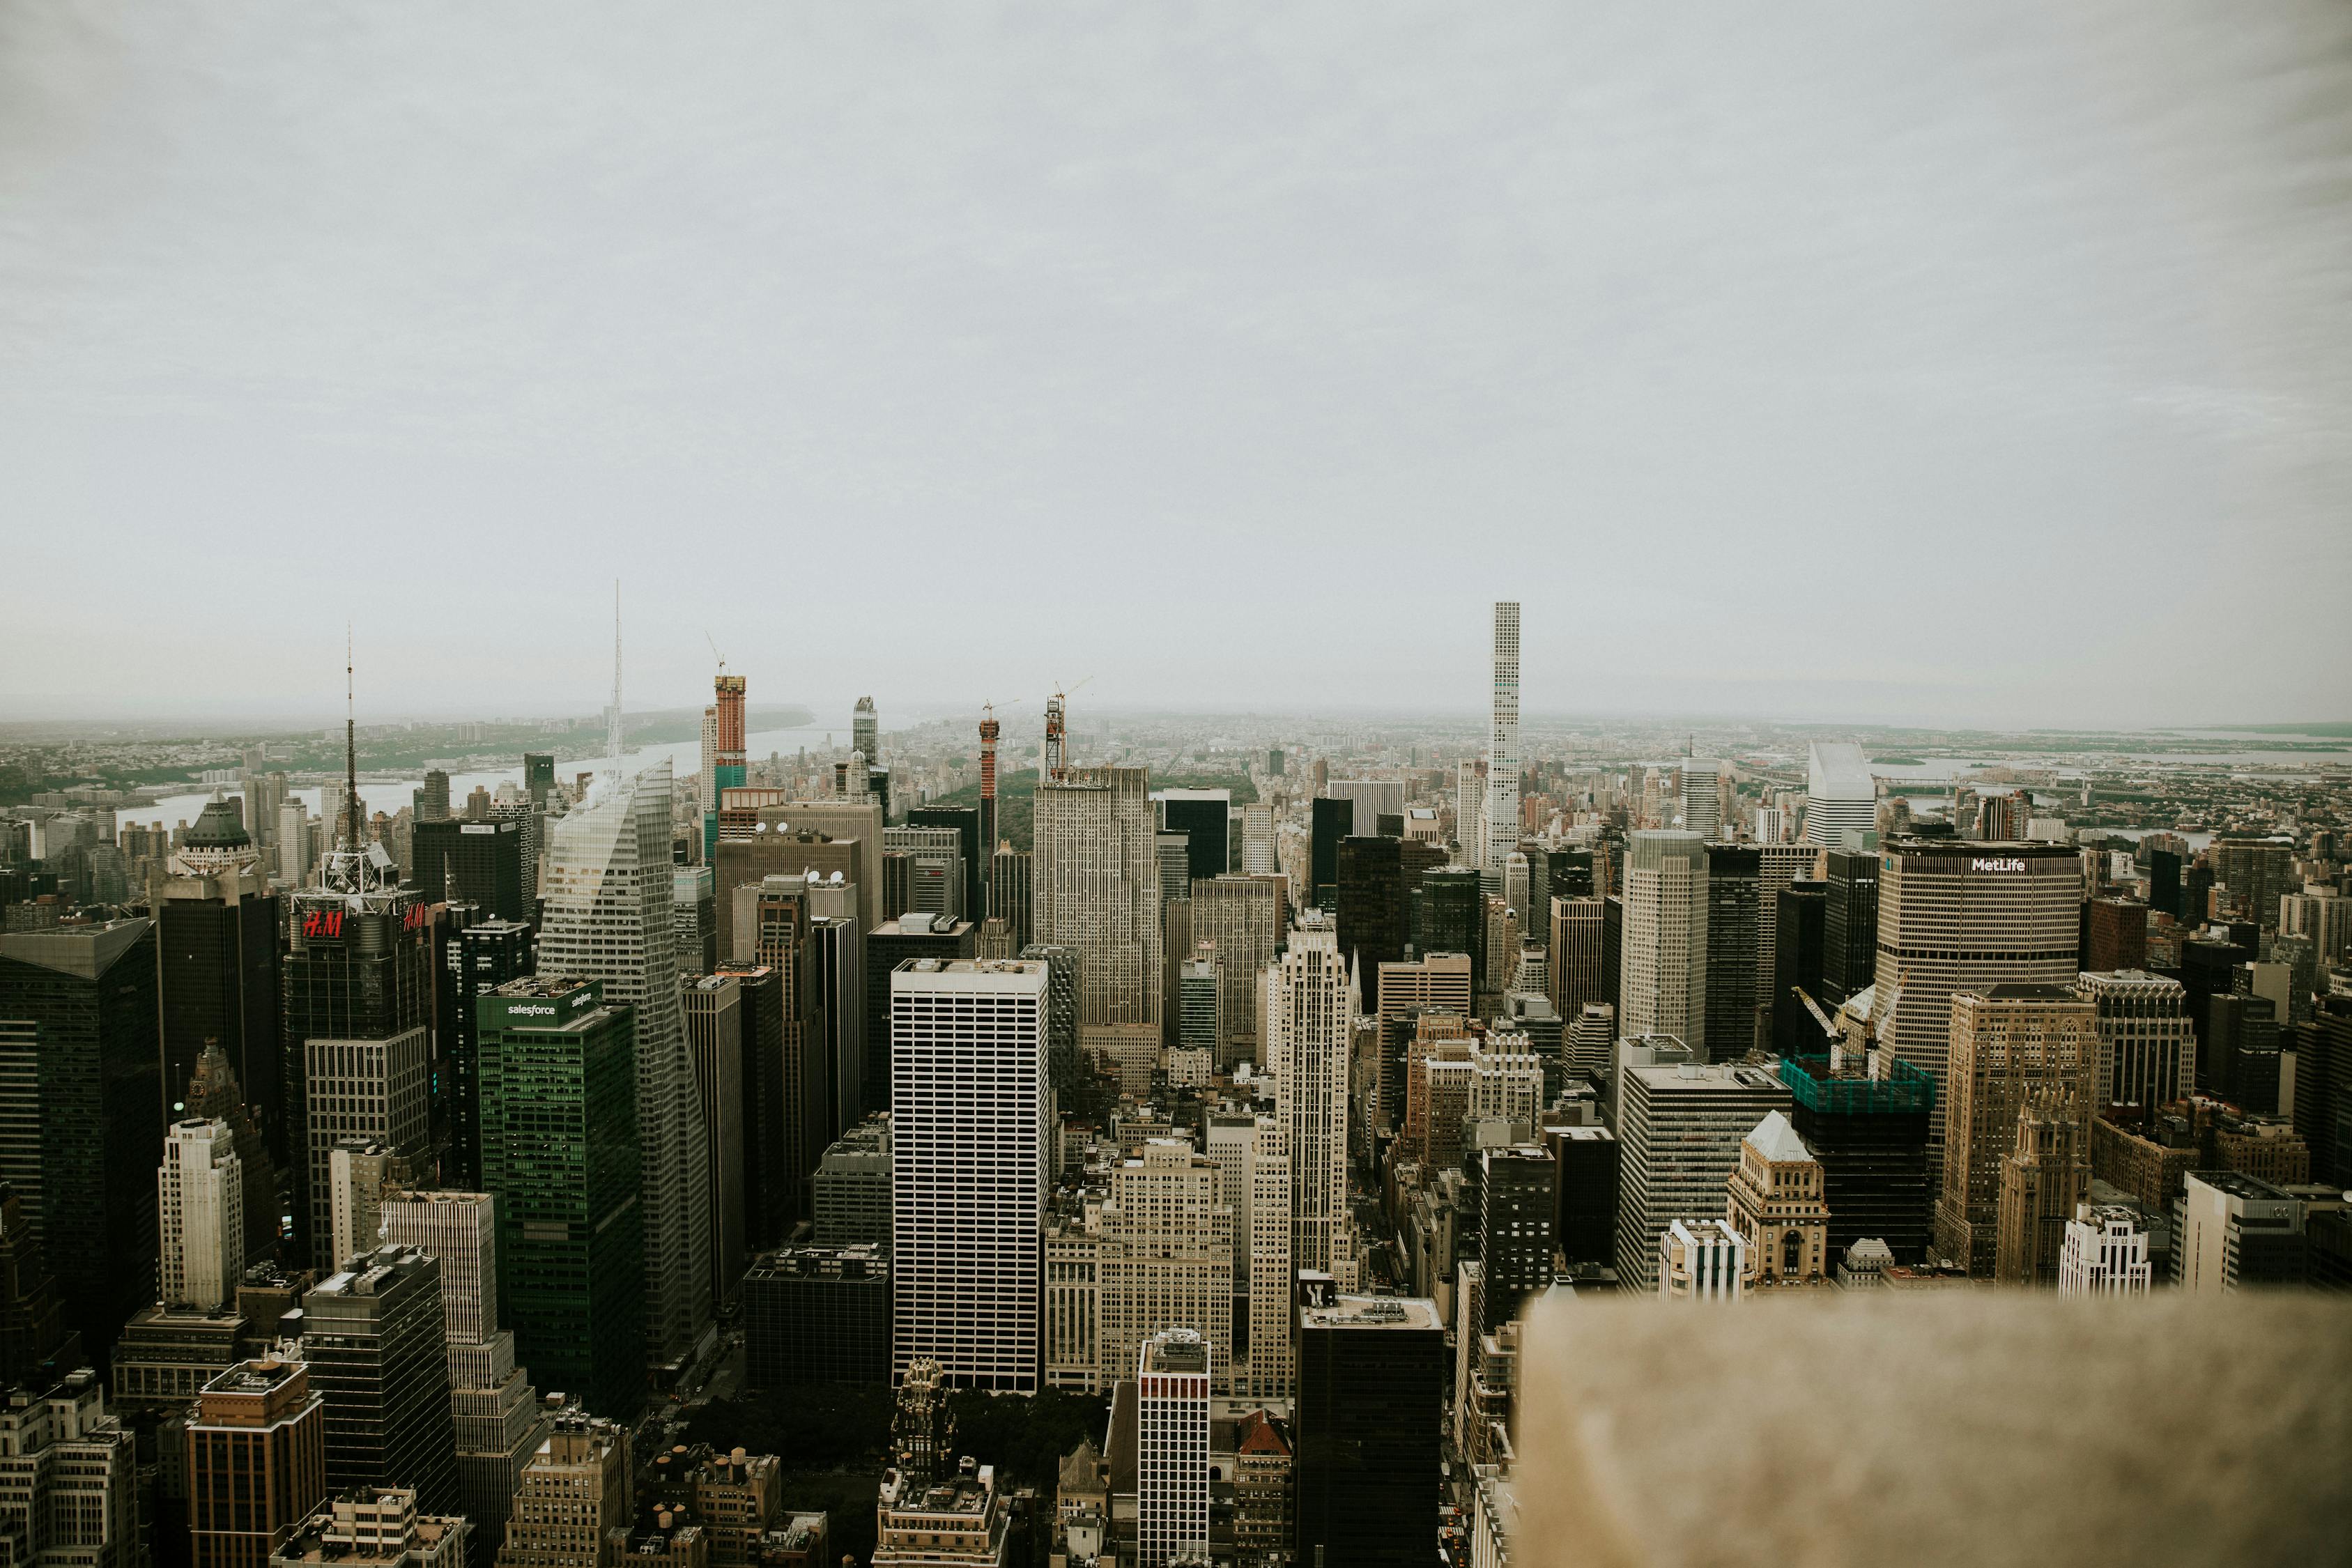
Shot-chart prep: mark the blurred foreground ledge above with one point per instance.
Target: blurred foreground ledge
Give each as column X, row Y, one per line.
column 1978, row 1428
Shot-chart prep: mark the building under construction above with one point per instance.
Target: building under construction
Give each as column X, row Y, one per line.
column 1869, row 1130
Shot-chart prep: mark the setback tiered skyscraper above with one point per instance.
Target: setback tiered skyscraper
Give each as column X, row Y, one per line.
column 1840, row 793
column 969, row 1141
column 1097, row 889
column 217, row 924
column 607, row 881
column 1502, row 835
column 200, row 1191
column 1310, row 1008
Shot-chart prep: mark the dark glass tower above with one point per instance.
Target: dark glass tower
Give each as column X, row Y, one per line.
column 1204, row 818
column 479, row 863
column 1797, row 960
column 1734, row 928
column 1586, row 1225
column 1371, row 1391
column 776, row 1105
column 1330, row 821
column 217, row 928
column 477, row 960
column 560, row 1150
column 83, row 1112
column 1449, row 915
column 371, row 1333
column 539, row 776
column 1849, row 925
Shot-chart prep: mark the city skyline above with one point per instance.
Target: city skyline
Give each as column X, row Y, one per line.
column 1513, row 301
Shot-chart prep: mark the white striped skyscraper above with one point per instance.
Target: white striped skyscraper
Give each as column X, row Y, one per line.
column 1503, row 747
column 201, row 1209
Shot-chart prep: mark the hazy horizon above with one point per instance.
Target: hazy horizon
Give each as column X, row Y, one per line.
column 1983, row 367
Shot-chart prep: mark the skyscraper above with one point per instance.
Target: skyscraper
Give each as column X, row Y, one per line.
column 865, row 730
column 1840, row 793
column 969, row 1139
column 1702, row 796
column 1519, row 1205
column 1734, row 934
column 371, row 1335
column 1955, row 915
column 575, row 1493
column 560, row 1151
column 1867, row 1125
column 714, row 1035
column 217, row 969
column 69, row 1472
column 1372, row 1391
column 499, row 1420
column 989, row 731
column 472, row 861
column 724, row 766
column 200, row 1207
column 81, row 1100
column 1010, row 897
column 1376, row 877
column 2148, row 1051
column 2009, row 1045
column 476, row 959
column 1310, row 1013
column 1097, row 889
column 1241, row 917
column 972, row 848
column 1503, row 747
column 886, row 946
column 1171, row 1472
column 1662, row 988
column 1166, row 1255
column 257, row 1462
column 1797, row 948
column 1203, row 816
column 607, row 918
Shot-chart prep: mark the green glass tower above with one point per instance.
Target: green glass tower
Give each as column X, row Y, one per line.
column 558, row 1087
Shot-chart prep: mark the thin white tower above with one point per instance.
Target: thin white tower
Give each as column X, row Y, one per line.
column 1503, row 749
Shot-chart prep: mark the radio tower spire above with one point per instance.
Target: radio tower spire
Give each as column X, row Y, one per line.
column 354, row 834
column 612, row 714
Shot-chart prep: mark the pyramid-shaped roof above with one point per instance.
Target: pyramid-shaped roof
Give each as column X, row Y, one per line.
column 1778, row 1141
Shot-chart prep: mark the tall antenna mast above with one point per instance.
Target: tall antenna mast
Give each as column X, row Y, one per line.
column 352, row 835
column 613, row 717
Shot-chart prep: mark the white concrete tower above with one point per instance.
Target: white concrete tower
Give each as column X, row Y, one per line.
column 200, row 1207
column 1171, row 1457
column 1503, row 748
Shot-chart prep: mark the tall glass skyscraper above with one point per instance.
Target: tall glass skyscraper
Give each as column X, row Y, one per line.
column 606, row 918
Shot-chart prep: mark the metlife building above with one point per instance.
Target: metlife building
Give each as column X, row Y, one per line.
column 1958, row 915
column 559, row 1108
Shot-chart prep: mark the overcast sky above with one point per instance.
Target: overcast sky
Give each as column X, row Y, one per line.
column 1981, row 363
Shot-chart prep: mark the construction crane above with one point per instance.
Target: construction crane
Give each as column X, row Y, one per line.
column 714, row 650
column 1828, row 1029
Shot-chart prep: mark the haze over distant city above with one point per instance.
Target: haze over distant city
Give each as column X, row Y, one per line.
column 1989, row 367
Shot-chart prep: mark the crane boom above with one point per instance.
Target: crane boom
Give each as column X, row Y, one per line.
column 1819, row 1017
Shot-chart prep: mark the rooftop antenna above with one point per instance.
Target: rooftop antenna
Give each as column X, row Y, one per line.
column 351, row 834
column 613, row 717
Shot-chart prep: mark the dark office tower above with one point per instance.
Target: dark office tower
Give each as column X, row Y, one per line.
column 1372, row 1391
column 466, row 861
column 1870, row 1133
column 2196, row 889
column 560, row 1151
column 1849, row 925
column 2164, row 882
column 34, row 1339
column 359, row 975
column 1377, row 882
column 371, row 1335
column 1329, row 822
column 989, row 731
column 2208, row 968
column 2322, row 1089
column 217, row 975
column 714, row 1038
column 1797, row 962
column 1449, row 915
column 2240, row 1054
column 433, row 800
column 476, row 960
column 538, row 777
column 1585, row 1221
column 836, row 1012
column 81, row 1111
column 888, row 946
column 1061, row 1017
column 797, row 1082
column 2115, row 933
column 1613, row 950
column 1201, row 815
column 1734, row 928
column 1519, row 1204
column 1554, row 873
column 1009, row 893
column 771, row 1104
